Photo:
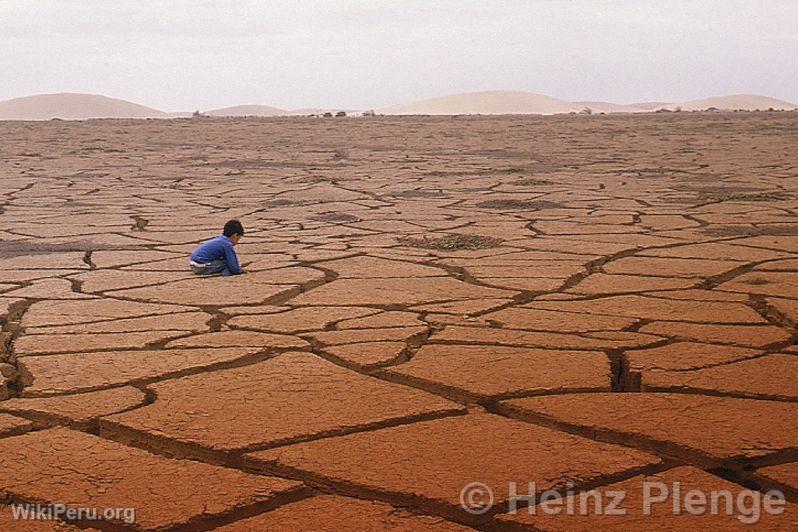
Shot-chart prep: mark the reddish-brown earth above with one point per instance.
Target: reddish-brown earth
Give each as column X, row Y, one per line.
column 584, row 301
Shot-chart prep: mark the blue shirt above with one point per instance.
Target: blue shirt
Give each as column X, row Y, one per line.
column 218, row 248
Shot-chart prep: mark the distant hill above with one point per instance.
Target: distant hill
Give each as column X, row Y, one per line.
column 748, row 102
column 247, row 110
column 73, row 106
column 488, row 103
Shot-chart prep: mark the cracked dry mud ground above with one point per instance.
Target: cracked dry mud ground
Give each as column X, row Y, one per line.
column 629, row 312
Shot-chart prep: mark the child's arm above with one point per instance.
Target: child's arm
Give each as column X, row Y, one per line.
column 232, row 260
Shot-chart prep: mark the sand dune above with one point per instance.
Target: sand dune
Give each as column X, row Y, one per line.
column 488, row 103
column 248, row 110
column 73, row 106
column 515, row 102
column 749, row 102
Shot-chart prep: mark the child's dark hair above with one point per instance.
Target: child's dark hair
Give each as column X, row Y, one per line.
column 233, row 227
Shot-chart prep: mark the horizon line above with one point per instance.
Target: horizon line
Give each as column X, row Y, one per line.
column 366, row 108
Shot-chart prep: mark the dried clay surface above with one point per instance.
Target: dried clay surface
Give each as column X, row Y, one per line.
column 582, row 301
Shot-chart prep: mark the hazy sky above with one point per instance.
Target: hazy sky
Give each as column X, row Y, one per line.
column 185, row 55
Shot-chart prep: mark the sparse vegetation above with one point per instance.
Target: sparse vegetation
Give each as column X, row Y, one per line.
column 511, row 170
column 316, row 179
column 335, row 217
column 533, row 181
column 656, row 172
column 745, row 196
column 778, row 230
column 451, row 242
column 749, row 230
column 421, row 194
column 279, row 203
column 512, row 204
column 730, row 230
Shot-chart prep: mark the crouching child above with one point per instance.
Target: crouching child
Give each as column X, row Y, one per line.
column 217, row 256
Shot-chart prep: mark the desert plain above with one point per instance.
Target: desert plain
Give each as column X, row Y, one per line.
column 430, row 302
